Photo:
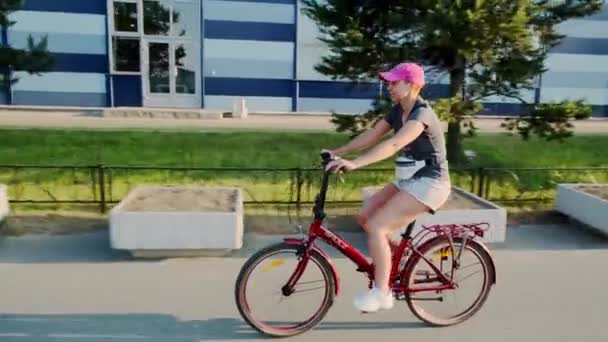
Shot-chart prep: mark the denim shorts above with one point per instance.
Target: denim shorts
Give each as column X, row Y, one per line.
column 430, row 191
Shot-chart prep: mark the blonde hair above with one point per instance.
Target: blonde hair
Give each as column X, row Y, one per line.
column 415, row 91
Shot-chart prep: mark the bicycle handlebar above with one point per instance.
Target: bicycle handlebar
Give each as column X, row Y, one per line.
column 326, row 157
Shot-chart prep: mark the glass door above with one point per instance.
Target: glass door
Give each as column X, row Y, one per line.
column 171, row 49
column 157, row 76
column 187, row 75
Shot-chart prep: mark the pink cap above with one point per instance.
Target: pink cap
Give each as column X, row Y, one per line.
column 409, row 72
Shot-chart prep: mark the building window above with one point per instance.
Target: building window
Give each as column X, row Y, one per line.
column 132, row 20
column 125, row 35
column 125, row 16
column 125, row 51
column 184, row 21
column 157, row 18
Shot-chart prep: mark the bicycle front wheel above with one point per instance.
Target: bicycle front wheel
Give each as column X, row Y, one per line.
column 267, row 308
column 468, row 264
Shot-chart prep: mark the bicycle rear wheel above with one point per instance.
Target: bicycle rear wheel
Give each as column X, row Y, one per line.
column 263, row 304
column 471, row 268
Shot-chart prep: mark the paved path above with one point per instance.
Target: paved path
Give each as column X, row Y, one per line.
column 551, row 287
column 303, row 122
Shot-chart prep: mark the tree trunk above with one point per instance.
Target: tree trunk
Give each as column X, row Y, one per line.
column 454, row 137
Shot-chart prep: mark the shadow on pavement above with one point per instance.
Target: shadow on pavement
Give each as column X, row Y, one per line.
column 149, row 327
column 95, row 247
column 77, row 248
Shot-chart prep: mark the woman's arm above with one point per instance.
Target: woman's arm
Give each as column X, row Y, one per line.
column 410, row 131
column 365, row 139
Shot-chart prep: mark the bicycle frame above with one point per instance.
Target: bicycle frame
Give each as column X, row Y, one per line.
column 318, row 231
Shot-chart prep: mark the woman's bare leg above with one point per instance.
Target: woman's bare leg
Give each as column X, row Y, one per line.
column 399, row 211
column 378, row 200
column 375, row 202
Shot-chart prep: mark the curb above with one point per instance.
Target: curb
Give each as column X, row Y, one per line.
column 184, row 113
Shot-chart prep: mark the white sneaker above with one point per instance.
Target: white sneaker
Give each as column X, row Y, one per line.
column 373, row 300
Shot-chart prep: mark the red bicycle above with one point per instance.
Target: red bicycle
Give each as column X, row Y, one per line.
column 427, row 270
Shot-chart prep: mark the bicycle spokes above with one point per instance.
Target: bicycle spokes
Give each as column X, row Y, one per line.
column 282, row 293
column 448, row 281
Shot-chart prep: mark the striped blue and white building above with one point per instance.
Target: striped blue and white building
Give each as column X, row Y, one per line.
column 206, row 53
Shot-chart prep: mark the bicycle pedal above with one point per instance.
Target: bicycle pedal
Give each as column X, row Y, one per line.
column 400, row 297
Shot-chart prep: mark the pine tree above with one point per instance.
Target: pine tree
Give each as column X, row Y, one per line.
column 34, row 60
column 487, row 47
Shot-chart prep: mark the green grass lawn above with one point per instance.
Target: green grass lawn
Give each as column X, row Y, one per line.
column 501, row 150
column 153, row 148
column 261, row 150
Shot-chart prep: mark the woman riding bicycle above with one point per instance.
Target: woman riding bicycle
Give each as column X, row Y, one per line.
column 417, row 135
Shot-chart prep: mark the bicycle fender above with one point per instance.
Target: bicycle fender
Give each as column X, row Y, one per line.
column 323, row 254
column 485, row 248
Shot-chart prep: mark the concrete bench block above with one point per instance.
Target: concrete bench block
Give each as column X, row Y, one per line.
column 178, row 221
column 461, row 208
column 586, row 203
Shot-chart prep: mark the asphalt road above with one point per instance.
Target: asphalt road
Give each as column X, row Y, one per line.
column 552, row 286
